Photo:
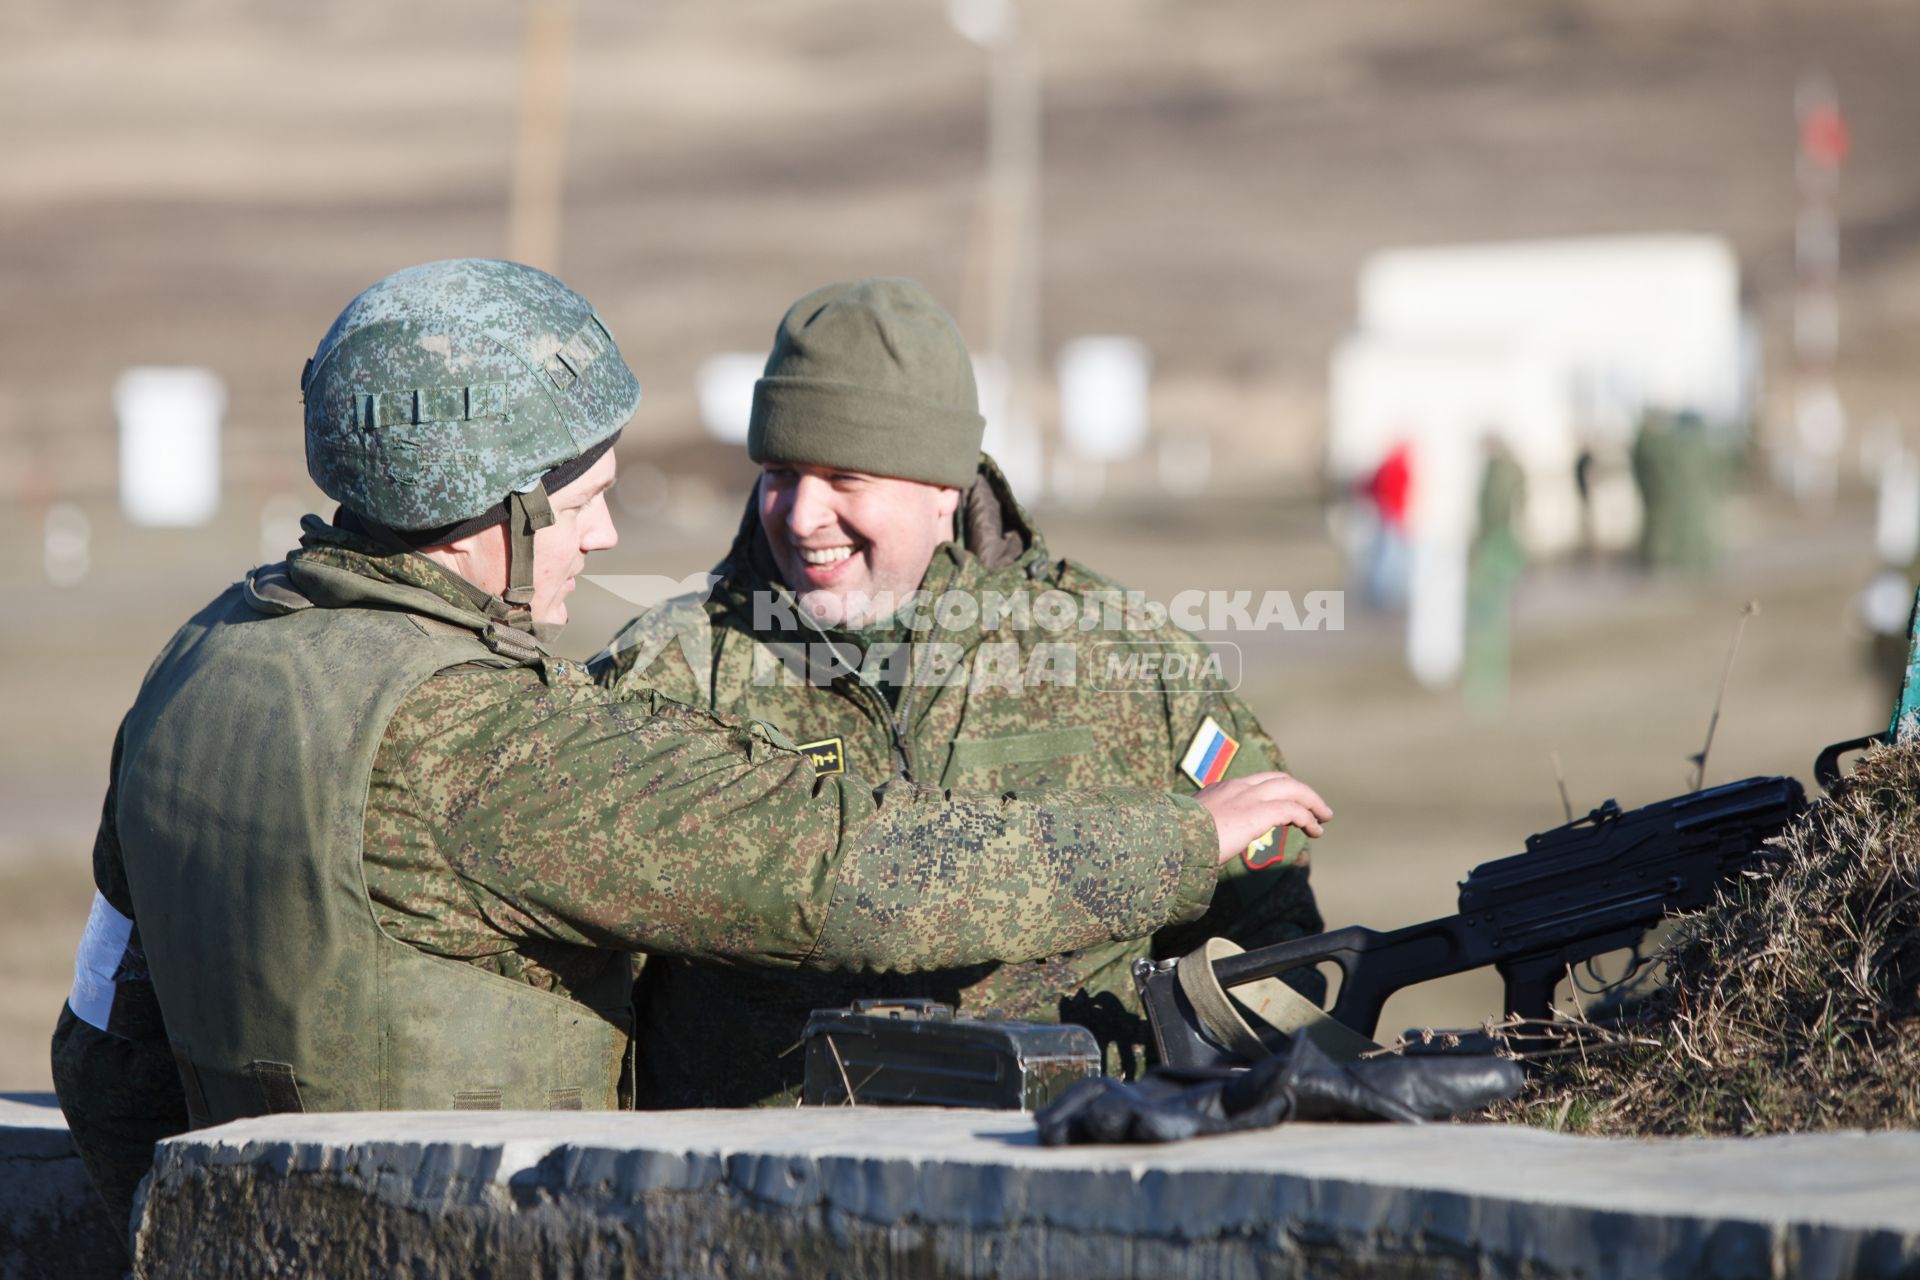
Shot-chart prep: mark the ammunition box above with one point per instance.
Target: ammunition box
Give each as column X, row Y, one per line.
column 917, row 1053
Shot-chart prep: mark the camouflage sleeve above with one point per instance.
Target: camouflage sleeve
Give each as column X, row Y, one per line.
column 1263, row 895
column 571, row 814
column 668, row 648
column 117, row 1084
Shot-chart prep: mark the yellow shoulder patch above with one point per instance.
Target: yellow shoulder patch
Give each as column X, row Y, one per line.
column 828, row 755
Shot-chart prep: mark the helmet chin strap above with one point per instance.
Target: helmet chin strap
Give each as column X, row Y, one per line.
column 527, row 513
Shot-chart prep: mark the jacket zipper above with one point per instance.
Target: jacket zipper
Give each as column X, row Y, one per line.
column 896, row 725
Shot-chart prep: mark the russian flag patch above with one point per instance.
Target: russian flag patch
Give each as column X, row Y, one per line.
column 1209, row 754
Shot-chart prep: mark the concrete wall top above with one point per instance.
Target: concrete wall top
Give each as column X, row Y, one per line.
column 1849, row 1178
column 973, row 1193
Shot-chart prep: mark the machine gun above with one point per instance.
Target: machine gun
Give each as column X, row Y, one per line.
column 1590, row 887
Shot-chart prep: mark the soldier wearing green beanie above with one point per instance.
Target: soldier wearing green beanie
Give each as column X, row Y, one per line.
column 368, row 844
column 883, row 604
column 870, row 377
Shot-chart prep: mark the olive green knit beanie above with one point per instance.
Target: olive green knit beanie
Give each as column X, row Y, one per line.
column 871, row 376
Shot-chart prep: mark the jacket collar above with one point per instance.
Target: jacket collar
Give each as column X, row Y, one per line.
column 337, row 568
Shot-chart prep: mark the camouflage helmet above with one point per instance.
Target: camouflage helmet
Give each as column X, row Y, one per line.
column 446, row 388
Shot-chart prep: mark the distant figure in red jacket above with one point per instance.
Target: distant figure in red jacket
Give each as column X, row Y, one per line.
column 1389, row 490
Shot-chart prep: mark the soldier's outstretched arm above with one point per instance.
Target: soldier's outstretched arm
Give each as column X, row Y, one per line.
column 571, row 814
column 668, row 648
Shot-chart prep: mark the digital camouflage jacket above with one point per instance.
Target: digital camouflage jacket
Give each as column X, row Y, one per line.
column 1015, row 671
column 523, row 819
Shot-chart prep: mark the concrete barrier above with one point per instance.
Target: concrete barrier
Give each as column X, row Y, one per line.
column 51, row 1224
column 868, row 1192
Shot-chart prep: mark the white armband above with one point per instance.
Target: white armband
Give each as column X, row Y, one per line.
column 101, row 948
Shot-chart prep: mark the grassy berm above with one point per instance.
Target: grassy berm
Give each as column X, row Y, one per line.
column 1791, row 1004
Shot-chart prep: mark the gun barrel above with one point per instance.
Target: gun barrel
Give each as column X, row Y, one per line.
column 1728, row 821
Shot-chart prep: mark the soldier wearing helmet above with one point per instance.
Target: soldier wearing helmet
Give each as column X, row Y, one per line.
column 891, row 607
column 367, row 844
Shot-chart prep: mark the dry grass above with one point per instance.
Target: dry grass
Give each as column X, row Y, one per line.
column 1792, row 1004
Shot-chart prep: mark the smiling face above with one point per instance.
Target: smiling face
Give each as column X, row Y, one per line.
column 581, row 525
column 850, row 545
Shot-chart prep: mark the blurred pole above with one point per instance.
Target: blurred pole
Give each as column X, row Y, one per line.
column 1819, row 417
column 1437, row 609
column 1896, row 527
column 66, row 546
column 1012, row 222
column 35, row 481
column 1013, row 165
column 1105, row 383
column 540, row 143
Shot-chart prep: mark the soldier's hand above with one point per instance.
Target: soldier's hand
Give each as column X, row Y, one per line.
column 1243, row 808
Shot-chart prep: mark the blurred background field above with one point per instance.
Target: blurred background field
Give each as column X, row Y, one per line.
column 207, row 183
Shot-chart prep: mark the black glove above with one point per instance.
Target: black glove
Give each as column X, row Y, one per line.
column 1301, row 1084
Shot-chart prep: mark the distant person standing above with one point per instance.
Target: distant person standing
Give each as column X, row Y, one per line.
column 1496, row 562
column 1682, row 473
column 1388, row 492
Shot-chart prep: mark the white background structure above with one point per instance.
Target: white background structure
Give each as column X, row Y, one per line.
column 169, row 444
column 1553, row 348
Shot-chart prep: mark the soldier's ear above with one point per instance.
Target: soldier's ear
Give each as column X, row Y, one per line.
column 947, row 503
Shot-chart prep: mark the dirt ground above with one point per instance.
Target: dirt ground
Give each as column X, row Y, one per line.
column 207, row 182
